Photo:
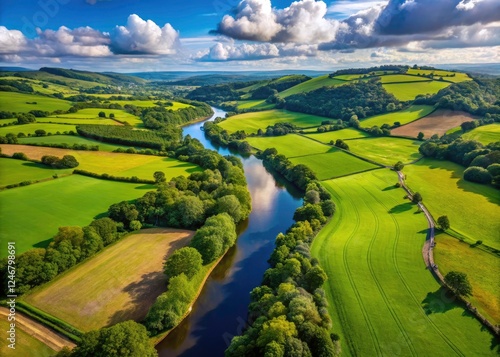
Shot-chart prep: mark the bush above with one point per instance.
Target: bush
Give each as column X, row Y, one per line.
column 477, row 174
column 186, row 260
column 20, row 156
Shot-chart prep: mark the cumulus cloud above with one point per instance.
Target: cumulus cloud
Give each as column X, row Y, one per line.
column 231, row 52
column 302, row 22
column 144, row 37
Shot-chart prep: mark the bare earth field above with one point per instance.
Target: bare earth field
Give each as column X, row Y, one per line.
column 120, row 283
column 438, row 122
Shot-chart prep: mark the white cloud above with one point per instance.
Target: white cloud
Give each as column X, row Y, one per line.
column 144, row 37
column 11, row 41
column 346, row 8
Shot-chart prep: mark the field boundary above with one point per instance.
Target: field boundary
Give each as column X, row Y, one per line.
column 428, row 256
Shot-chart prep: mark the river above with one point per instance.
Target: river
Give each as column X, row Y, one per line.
column 221, row 309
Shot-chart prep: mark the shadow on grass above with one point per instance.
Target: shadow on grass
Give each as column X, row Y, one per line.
column 440, row 301
column 40, row 166
column 389, row 188
column 144, row 187
column 42, row 244
column 403, row 207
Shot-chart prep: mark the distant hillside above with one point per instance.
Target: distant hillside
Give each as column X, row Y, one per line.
column 14, row 69
column 104, row 78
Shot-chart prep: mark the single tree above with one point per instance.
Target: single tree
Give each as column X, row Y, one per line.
column 399, row 166
column 420, row 136
column 443, row 222
column 186, row 260
column 159, row 177
column 417, row 198
column 459, row 283
column 112, row 115
column 102, row 115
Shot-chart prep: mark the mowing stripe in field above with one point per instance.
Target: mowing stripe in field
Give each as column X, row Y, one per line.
column 383, row 301
column 484, row 134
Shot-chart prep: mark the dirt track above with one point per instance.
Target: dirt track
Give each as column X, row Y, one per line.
column 38, row 331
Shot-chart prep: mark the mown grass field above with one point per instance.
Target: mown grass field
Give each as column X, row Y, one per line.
column 100, row 162
column 25, row 344
column 14, row 171
column 254, row 104
column 93, row 113
column 484, row 134
column 252, row 122
column 386, row 151
column 473, row 209
column 459, row 77
column 32, row 127
column 17, row 102
column 405, row 116
column 482, row 268
column 38, row 86
column 333, row 164
column 312, row 84
column 31, row 215
column 408, row 91
column 348, row 133
column 70, row 139
column 397, row 78
column 383, row 301
column 290, row 145
column 149, row 103
column 75, row 121
column 118, row 284
column 348, row 77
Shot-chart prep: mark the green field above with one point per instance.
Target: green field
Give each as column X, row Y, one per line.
column 484, row 134
column 408, row 91
column 38, row 86
column 14, row 171
column 70, row 139
column 473, row 209
column 31, row 215
column 459, row 77
column 406, row 116
column 252, row 122
column 348, row 133
column 17, row 102
column 60, row 120
column 401, row 78
column 25, row 344
column 31, row 128
column 312, row 84
column 119, row 164
column 254, row 104
column 7, row 121
column 148, row 103
column 93, row 113
column 383, row 301
column 482, row 268
column 386, row 151
column 333, row 164
column 111, row 287
column 348, row 77
column 290, row 145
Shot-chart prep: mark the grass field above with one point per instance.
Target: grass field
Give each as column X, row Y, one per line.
column 38, row 86
column 31, row 215
column 15, row 171
column 17, row 102
column 93, row 113
column 484, row 134
column 406, row 116
column 459, row 77
column 333, row 164
column 386, row 151
column 397, row 78
column 254, row 104
column 75, row 121
column 100, row 162
column 25, row 344
column 149, row 103
column 252, row 122
column 290, row 145
column 31, row 128
column 482, row 268
column 473, row 209
column 343, row 134
column 120, row 283
column 438, row 122
column 312, row 84
column 7, row 121
column 348, row 77
column 408, row 91
column 70, row 139
column 383, row 301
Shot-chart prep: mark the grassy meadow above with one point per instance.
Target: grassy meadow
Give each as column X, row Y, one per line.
column 25, row 344
column 458, row 76
column 333, row 164
column 473, row 209
column 254, row 104
column 401, row 78
column 450, row 254
column 118, row 284
column 148, row 104
column 312, row 84
column 70, row 140
column 118, row 164
column 14, row 171
column 344, row 134
column 76, row 121
column 382, row 299
column 18, row 102
column 484, row 134
column 31, row 215
column 386, row 151
column 408, row 91
column 32, row 127
column 405, row 116
column 252, row 122
column 290, row 145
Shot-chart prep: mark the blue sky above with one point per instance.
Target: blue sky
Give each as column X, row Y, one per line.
column 137, row 35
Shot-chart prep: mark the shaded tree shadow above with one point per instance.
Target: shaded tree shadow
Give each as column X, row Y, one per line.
column 40, row 166
column 495, row 343
column 403, row 207
column 440, row 301
column 389, row 188
column 42, row 244
column 144, row 187
column 423, row 230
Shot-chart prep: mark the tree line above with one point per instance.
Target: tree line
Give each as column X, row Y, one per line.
column 288, row 313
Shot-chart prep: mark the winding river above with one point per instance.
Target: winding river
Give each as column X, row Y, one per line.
column 221, row 309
